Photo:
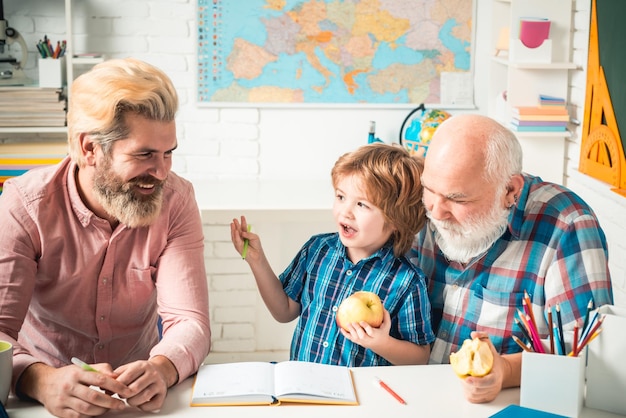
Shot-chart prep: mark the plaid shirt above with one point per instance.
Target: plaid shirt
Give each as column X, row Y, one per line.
column 321, row 276
column 553, row 248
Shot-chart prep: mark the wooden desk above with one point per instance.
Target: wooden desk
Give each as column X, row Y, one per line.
column 430, row 391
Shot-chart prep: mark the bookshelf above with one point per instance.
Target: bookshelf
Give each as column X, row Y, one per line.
column 72, row 64
column 515, row 82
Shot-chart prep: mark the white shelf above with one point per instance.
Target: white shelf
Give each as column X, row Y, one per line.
column 87, row 60
column 542, row 135
column 523, row 82
column 34, row 129
column 536, row 65
column 71, row 62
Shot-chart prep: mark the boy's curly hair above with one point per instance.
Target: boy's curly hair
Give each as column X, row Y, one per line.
column 391, row 178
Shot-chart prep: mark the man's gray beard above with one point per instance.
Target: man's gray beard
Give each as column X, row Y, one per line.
column 119, row 201
column 462, row 243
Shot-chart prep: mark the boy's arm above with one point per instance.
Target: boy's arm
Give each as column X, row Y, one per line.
column 282, row 308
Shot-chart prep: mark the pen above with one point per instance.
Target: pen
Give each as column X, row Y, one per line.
column 389, row 390
column 560, row 326
column 246, row 242
column 83, row 365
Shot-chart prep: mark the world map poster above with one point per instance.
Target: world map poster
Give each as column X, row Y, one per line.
column 385, row 52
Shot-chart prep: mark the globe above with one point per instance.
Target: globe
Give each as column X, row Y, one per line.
column 420, row 132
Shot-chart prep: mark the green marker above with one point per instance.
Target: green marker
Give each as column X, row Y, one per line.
column 83, row 365
column 246, row 242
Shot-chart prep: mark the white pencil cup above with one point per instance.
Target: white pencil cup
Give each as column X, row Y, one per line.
column 553, row 383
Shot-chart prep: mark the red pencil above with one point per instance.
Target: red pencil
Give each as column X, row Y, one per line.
column 390, row 391
column 590, row 335
column 575, row 342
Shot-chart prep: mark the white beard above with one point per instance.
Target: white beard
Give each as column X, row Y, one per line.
column 463, row 242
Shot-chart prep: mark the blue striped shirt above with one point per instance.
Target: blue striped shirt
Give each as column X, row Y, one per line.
column 553, row 248
column 321, row 276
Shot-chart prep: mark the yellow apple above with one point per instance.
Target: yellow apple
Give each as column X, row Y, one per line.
column 360, row 306
column 474, row 358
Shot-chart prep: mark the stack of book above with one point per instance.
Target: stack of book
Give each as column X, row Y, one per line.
column 549, row 101
column 32, row 106
column 18, row 158
column 539, row 118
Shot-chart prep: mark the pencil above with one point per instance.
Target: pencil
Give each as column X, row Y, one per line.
column 520, row 343
column 587, row 314
column 390, row 391
column 560, row 324
column 550, row 325
column 591, row 335
column 529, row 308
column 557, row 340
column 246, row 243
column 575, row 341
column 536, row 340
column 523, row 329
column 590, row 325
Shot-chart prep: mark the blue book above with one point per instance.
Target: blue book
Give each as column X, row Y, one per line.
column 517, row 128
column 516, row 411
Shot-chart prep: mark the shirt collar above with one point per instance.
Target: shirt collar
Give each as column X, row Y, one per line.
column 517, row 212
column 82, row 212
column 382, row 253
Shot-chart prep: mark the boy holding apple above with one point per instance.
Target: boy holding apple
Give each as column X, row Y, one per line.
column 378, row 210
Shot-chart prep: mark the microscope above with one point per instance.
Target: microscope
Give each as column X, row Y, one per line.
column 14, row 76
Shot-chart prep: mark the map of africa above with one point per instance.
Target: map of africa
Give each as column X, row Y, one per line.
column 330, row 51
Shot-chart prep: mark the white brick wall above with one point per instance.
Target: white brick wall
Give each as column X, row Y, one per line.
column 242, row 327
column 257, row 143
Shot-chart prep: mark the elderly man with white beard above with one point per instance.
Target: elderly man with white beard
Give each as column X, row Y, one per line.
column 494, row 233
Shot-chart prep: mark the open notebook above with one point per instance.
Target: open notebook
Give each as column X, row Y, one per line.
column 262, row 383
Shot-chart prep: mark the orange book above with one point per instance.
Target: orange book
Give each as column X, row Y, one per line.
column 551, row 118
column 542, row 110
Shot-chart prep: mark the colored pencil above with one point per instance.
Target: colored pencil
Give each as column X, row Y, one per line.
column 589, row 337
column 520, row 343
column 523, row 329
column 560, row 325
column 550, row 326
column 588, row 313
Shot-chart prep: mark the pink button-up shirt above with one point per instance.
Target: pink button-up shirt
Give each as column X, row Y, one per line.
column 72, row 286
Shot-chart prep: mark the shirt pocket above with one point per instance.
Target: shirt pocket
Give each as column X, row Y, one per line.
column 498, row 309
column 142, row 291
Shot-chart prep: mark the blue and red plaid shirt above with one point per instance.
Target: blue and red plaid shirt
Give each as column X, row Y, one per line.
column 553, row 248
column 321, row 276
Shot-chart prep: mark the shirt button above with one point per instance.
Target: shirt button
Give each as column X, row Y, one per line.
column 102, row 317
column 100, row 346
column 444, row 335
column 325, row 344
column 334, row 309
column 104, row 281
column 349, row 273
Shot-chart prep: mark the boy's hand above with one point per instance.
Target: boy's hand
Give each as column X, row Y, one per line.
column 366, row 335
column 242, row 239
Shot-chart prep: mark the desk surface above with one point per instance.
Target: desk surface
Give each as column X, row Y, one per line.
column 430, row 391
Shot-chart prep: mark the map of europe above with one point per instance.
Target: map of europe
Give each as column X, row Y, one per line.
column 330, row 51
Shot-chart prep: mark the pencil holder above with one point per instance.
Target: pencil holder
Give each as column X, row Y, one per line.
column 606, row 370
column 553, row 383
column 52, row 72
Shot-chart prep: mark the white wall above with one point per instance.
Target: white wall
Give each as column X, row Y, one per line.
column 255, row 143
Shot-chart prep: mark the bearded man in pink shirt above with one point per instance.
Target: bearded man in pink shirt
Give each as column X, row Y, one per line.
column 94, row 249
